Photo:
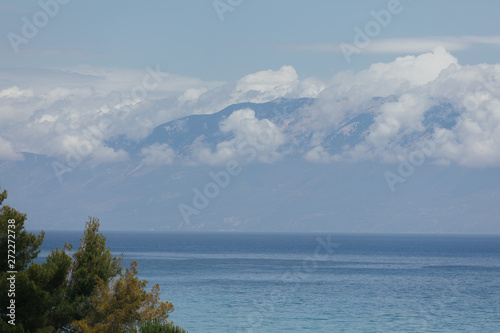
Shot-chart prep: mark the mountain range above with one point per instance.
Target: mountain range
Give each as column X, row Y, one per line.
column 179, row 177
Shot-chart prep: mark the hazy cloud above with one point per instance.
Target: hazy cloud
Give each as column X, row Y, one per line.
column 158, row 154
column 418, row 83
column 402, row 45
column 266, row 85
column 7, row 151
column 43, row 111
column 254, row 139
column 60, row 112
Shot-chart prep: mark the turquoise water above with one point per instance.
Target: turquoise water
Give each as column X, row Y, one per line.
column 235, row 282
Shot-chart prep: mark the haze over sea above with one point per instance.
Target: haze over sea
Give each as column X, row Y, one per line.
column 241, row 282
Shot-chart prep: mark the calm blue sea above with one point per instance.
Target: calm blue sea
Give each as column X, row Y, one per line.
column 232, row 282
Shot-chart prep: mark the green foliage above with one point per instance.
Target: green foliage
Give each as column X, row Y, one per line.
column 27, row 243
column 41, row 291
column 93, row 261
column 74, row 294
column 154, row 326
column 124, row 305
column 6, row 328
column 26, row 249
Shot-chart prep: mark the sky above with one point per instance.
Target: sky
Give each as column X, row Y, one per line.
column 214, row 40
column 68, row 67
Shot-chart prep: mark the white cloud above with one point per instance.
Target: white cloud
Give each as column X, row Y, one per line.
column 48, row 111
column 15, row 92
column 402, row 45
column 191, row 95
column 350, row 93
column 393, row 120
column 47, row 118
column 410, row 70
column 266, row 85
column 310, row 88
column 318, row 155
column 87, row 146
column 418, row 83
column 39, row 109
column 384, row 79
column 400, row 117
column 414, row 45
column 158, row 154
column 254, row 139
column 475, row 141
column 7, row 151
column 107, row 155
column 61, row 93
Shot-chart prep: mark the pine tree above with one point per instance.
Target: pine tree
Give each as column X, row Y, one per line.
column 124, row 305
column 79, row 293
column 27, row 243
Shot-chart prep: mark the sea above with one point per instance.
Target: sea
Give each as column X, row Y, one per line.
column 273, row 282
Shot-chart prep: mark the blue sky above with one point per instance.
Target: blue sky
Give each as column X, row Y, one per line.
column 188, row 37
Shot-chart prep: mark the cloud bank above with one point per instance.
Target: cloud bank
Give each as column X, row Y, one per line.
column 70, row 113
column 253, row 139
column 419, row 83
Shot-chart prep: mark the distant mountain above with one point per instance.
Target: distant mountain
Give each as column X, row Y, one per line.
column 288, row 115
column 290, row 194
